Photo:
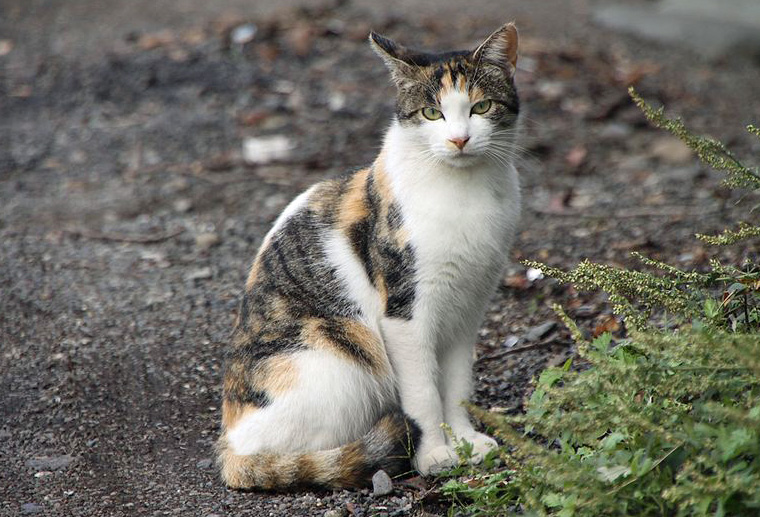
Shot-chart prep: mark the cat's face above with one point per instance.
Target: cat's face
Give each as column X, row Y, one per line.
column 458, row 107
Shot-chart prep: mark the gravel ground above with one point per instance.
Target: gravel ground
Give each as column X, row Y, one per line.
column 129, row 214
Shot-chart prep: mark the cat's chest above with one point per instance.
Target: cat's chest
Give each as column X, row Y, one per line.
column 461, row 232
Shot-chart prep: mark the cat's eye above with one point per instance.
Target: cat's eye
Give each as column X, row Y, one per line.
column 431, row 113
column 481, row 107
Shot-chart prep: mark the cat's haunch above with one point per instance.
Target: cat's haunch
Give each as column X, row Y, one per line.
column 354, row 341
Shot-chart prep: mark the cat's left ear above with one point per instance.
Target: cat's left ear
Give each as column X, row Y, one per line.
column 500, row 48
column 393, row 55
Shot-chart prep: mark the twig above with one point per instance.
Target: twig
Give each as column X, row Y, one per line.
column 670, row 211
column 117, row 237
column 517, row 350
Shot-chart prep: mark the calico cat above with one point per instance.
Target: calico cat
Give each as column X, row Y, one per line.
column 354, row 341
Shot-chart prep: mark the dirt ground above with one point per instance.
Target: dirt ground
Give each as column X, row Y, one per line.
column 129, row 215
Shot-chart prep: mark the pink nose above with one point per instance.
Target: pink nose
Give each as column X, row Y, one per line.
column 459, row 142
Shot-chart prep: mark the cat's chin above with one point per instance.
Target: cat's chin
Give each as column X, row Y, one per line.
column 462, row 161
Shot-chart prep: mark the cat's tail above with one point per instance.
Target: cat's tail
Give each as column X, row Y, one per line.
column 389, row 446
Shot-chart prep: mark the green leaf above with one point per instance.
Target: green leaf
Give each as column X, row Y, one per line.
column 553, row 500
column 602, row 342
column 549, row 377
column 610, row 474
column 611, row 441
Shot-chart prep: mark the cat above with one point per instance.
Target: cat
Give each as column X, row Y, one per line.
column 354, row 341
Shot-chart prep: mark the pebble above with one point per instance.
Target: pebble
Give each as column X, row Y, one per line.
column 30, row 508
column 6, row 46
column 205, row 463
column 510, row 341
column 539, row 331
column 50, row 462
column 206, row 241
column 586, row 311
column 672, row 150
column 242, row 34
column 616, row 131
column 339, row 512
column 266, row 149
column 533, row 274
column 183, row 205
column 381, row 484
column 203, row 273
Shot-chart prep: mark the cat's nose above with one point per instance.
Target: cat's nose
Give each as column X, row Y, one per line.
column 459, row 142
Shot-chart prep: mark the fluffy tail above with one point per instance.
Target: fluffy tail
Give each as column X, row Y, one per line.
column 389, row 446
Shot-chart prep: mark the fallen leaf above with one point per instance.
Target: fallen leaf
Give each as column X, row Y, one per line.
column 576, row 156
column 154, row 40
column 609, row 323
column 6, row 46
column 671, row 150
column 517, row 281
column 301, row 39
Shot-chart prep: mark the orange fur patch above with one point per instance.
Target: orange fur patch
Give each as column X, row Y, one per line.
column 357, row 333
column 232, row 412
column 353, row 206
column 276, row 376
column 252, row 274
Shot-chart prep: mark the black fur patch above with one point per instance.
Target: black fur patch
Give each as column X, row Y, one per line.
column 336, row 332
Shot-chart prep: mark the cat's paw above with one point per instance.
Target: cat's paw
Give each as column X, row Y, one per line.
column 482, row 444
column 436, row 460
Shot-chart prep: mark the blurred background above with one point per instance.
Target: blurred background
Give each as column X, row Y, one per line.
column 147, row 146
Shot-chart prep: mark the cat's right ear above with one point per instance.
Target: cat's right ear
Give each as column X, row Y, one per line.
column 393, row 54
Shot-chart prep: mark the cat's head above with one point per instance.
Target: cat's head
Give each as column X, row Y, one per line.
column 458, row 107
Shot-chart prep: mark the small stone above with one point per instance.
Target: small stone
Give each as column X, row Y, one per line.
column 203, row 273
column 262, row 150
column 242, row 34
column 672, row 150
column 337, row 512
column 30, row 508
column 539, row 331
column 533, row 274
column 381, row 484
column 205, row 464
column 586, row 311
column 337, row 101
column 183, row 205
column 50, row 462
column 616, row 131
column 6, row 46
column 510, row 341
column 552, row 90
column 206, row 241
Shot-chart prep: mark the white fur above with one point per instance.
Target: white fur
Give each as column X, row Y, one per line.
column 293, row 207
column 356, row 283
column 314, row 414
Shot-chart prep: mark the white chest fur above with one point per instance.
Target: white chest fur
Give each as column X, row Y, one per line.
column 461, row 222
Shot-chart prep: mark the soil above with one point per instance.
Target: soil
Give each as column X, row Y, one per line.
column 129, row 215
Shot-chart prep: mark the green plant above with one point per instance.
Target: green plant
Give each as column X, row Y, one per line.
column 659, row 423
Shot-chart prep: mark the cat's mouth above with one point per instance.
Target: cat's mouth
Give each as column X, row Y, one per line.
column 463, row 158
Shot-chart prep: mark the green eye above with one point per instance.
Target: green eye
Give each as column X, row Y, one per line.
column 481, row 107
column 431, row 113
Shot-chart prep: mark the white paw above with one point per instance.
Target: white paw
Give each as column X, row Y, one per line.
column 436, row 460
column 481, row 445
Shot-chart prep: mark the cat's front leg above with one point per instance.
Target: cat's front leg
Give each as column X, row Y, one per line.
column 415, row 366
column 456, row 385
